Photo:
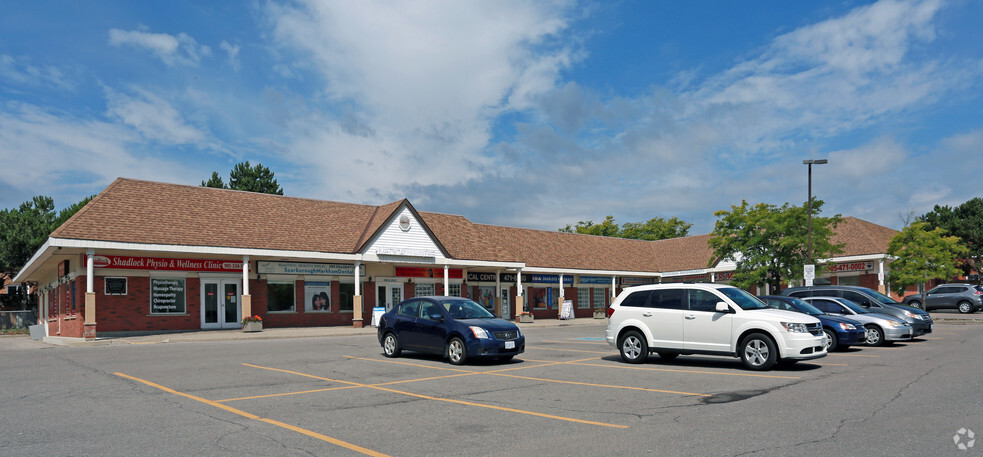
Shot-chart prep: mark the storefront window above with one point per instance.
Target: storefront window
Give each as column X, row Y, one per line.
column 583, row 297
column 455, row 290
column 167, row 296
column 599, row 296
column 280, row 296
column 422, row 290
column 347, row 297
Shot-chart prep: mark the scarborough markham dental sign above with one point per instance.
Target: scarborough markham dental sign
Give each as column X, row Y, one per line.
column 164, row 264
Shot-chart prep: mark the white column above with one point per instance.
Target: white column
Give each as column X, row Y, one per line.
column 245, row 275
column 358, row 278
column 447, row 282
column 498, row 284
column 89, row 281
column 880, row 272
column 518, row 282
column 561, row 289
column 614, row 285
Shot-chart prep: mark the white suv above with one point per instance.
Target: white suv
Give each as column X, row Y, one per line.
column 715, row 319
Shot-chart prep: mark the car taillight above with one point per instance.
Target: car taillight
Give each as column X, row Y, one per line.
column 610, row 312
column 978, row 292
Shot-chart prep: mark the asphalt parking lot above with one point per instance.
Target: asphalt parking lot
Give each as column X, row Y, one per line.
column 568, row 394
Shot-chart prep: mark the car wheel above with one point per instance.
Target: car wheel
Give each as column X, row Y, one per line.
column 390, row 345
column 831, row 341
column 634, row 348
column 965, row 307
column 667, row 356
column 875, row 336
column 456, row 351
column 758, row 352
column 915, row 304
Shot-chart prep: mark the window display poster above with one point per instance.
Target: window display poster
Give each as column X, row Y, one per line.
column 486, row 296
column 318, row 296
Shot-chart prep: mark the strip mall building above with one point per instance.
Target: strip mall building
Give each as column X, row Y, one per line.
column 153, row 257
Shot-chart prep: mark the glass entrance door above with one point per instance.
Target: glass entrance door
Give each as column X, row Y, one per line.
column 220, row 303
column 506, row 310
column 389, row 295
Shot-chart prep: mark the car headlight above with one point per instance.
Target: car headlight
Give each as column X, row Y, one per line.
column 910, row 315
column 793, row 327
column 895, row 324
column 846, row 326
column 479, row 332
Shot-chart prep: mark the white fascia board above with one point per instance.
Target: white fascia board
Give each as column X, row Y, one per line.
column 575, row 271
column 700, row 271
column 30, row 266
column 440, row 261
column 211, row 250
column 855, row 258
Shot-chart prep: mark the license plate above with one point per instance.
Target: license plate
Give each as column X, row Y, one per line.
column 510, row 345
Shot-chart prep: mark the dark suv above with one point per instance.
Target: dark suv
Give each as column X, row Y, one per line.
column 967, row 298
column 876, row 302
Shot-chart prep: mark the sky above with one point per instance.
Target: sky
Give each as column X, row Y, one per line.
column 534, row 114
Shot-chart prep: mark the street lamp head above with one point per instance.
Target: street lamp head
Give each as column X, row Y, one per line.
column 814, row 161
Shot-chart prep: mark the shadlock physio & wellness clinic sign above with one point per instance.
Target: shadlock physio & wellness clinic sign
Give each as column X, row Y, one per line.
column 120, row 262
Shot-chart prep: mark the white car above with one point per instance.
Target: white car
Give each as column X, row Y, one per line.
column 713, row 319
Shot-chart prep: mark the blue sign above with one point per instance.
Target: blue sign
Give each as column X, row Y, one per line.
column 550, row 279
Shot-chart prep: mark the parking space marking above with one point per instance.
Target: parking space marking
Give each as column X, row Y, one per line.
column 255, row 397
column 499, row 373
column 852, row 355
column 678, row 371
column 448, row 400
column 312, row 434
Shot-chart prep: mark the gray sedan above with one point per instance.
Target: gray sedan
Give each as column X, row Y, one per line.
column 880, row 327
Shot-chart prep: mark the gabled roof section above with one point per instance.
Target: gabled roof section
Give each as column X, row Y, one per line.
column 861, row 237
column 133, row 211
column 392, row 211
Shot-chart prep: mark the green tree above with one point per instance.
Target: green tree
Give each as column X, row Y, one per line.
column 655, row 229
column 247, row 178
column 215, row 181
column 966, row 222
column 922, row 253
column 769, row 243
column 25, row 229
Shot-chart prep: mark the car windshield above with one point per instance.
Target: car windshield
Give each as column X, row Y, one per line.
column 466, row 309
column 881, row 297
column 804, row 307
column 853, row 306
column 743, row 299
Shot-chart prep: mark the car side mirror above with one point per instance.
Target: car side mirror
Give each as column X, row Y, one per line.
column 723, row 307
column 437, row 317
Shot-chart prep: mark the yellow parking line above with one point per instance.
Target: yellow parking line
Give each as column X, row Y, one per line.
column 448, row 400
column 309, row 433
column 853, row 355
column 255, row 397
column 499, row 373
column 630, row 367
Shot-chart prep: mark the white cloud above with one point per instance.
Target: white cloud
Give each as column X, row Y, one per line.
column 233, row 53
column 22, row 71
column 57, row 154
column 426, row 78
column 172, row 50
column 154, row 117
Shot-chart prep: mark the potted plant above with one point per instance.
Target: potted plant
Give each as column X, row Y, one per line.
column 525, row 317
column 600, row 313
column 252, row 324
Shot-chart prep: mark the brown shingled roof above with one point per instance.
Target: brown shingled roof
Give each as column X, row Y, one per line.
column 157, row 213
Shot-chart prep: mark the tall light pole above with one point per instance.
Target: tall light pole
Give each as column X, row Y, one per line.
column 810, row 162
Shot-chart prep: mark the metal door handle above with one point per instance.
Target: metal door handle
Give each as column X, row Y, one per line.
column 690, row 316
column 646, row 314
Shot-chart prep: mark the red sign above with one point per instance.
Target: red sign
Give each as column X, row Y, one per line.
column 415, row 272
column 724, row 276
column 855, row 266
column 157, row 263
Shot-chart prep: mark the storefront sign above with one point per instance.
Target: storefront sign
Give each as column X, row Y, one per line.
column 481, row 277
column 313, row 269
column 163, row 264
column 687, row 278
column 594, row 280
column 724, row 276
column 636, row 281
column 167, row 296
column 853, row 266
column 418, row 272
column 408, row 252
column 550, row 279
column 115, row 286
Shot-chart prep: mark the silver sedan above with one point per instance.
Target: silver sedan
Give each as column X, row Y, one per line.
column 880, row 327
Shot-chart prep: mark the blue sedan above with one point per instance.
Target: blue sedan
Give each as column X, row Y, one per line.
column 841, row 332
column 457, row 328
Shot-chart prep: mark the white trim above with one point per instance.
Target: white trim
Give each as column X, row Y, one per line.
column 576, row 271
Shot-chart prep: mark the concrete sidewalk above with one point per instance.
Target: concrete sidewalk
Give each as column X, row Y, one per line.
column 266, row 334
